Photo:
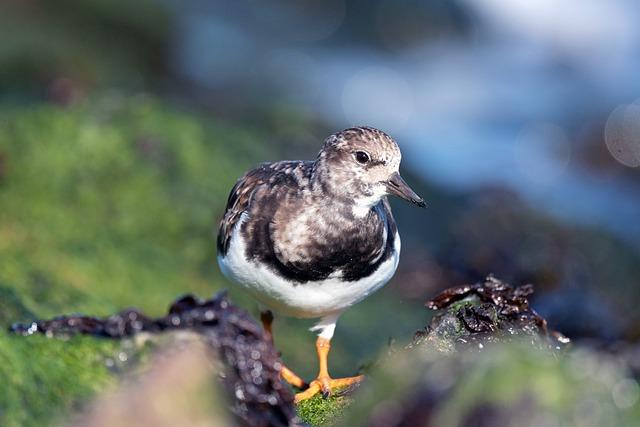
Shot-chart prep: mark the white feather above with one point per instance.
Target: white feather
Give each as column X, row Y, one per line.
column 326, row 298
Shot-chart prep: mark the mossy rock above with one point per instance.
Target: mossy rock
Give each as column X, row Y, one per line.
column 321, row 411
column 105, row 205
column 512, row 384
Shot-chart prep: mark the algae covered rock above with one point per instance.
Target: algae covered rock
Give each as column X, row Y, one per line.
column 488, row 359
column 511, row 385
column 248, row 363
column 484, row 313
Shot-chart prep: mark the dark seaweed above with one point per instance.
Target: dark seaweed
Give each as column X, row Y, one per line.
column 487, row 312
column 251, row 364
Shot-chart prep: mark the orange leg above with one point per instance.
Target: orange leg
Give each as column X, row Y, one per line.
column 324, row 383
column 266, row 317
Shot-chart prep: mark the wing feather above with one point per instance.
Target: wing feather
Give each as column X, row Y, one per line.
column 272, row 175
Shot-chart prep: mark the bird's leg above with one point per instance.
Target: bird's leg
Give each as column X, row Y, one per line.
column 266, row 317
column 324, row 383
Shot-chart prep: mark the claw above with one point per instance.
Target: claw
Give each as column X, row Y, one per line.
column 325, row 385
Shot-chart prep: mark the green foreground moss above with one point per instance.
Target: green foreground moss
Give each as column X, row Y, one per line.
column 320, row 411
column 42, row 378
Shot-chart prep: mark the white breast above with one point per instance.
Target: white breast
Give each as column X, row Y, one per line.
column 306, row 300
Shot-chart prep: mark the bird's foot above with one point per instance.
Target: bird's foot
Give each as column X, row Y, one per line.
column 325, row 385
column 289, row 376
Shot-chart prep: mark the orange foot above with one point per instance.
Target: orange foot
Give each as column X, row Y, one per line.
column 325, row 384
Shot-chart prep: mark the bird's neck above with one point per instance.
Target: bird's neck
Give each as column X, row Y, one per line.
column 342, row 190
column 362, row 206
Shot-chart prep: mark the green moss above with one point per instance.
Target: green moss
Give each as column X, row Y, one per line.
column 43, row 378
column 320, row 411
column 112, row 201
column 11, row 306
column 469, row 301
column 103, row 206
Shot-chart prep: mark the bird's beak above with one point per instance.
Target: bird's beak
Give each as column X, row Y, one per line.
column 397, row 186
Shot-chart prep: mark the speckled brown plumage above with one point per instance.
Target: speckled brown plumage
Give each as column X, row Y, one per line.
column 301, row 234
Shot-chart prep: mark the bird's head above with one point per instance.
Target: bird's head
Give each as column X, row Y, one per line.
column 362, row 164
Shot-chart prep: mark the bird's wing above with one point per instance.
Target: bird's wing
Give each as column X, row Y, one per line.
column 272, row 175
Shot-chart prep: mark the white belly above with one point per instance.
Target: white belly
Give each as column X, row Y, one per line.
column 306, row 300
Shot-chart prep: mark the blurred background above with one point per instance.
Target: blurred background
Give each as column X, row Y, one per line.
column 123, row 125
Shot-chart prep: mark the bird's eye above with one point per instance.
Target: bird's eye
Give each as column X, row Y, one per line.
column 362, row 157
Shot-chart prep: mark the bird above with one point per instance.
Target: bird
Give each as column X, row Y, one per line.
column 309, row 239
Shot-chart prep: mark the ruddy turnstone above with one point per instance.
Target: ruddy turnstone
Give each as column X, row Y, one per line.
column 312, row 238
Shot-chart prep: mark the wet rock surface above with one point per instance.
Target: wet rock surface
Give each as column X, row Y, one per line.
column 258, row 397
column 483, row 313
column 488, row 359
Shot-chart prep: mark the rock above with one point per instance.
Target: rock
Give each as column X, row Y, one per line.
column 251, row 366
column 485, row 313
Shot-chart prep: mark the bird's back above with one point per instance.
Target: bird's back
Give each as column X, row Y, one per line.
column 260, row 186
